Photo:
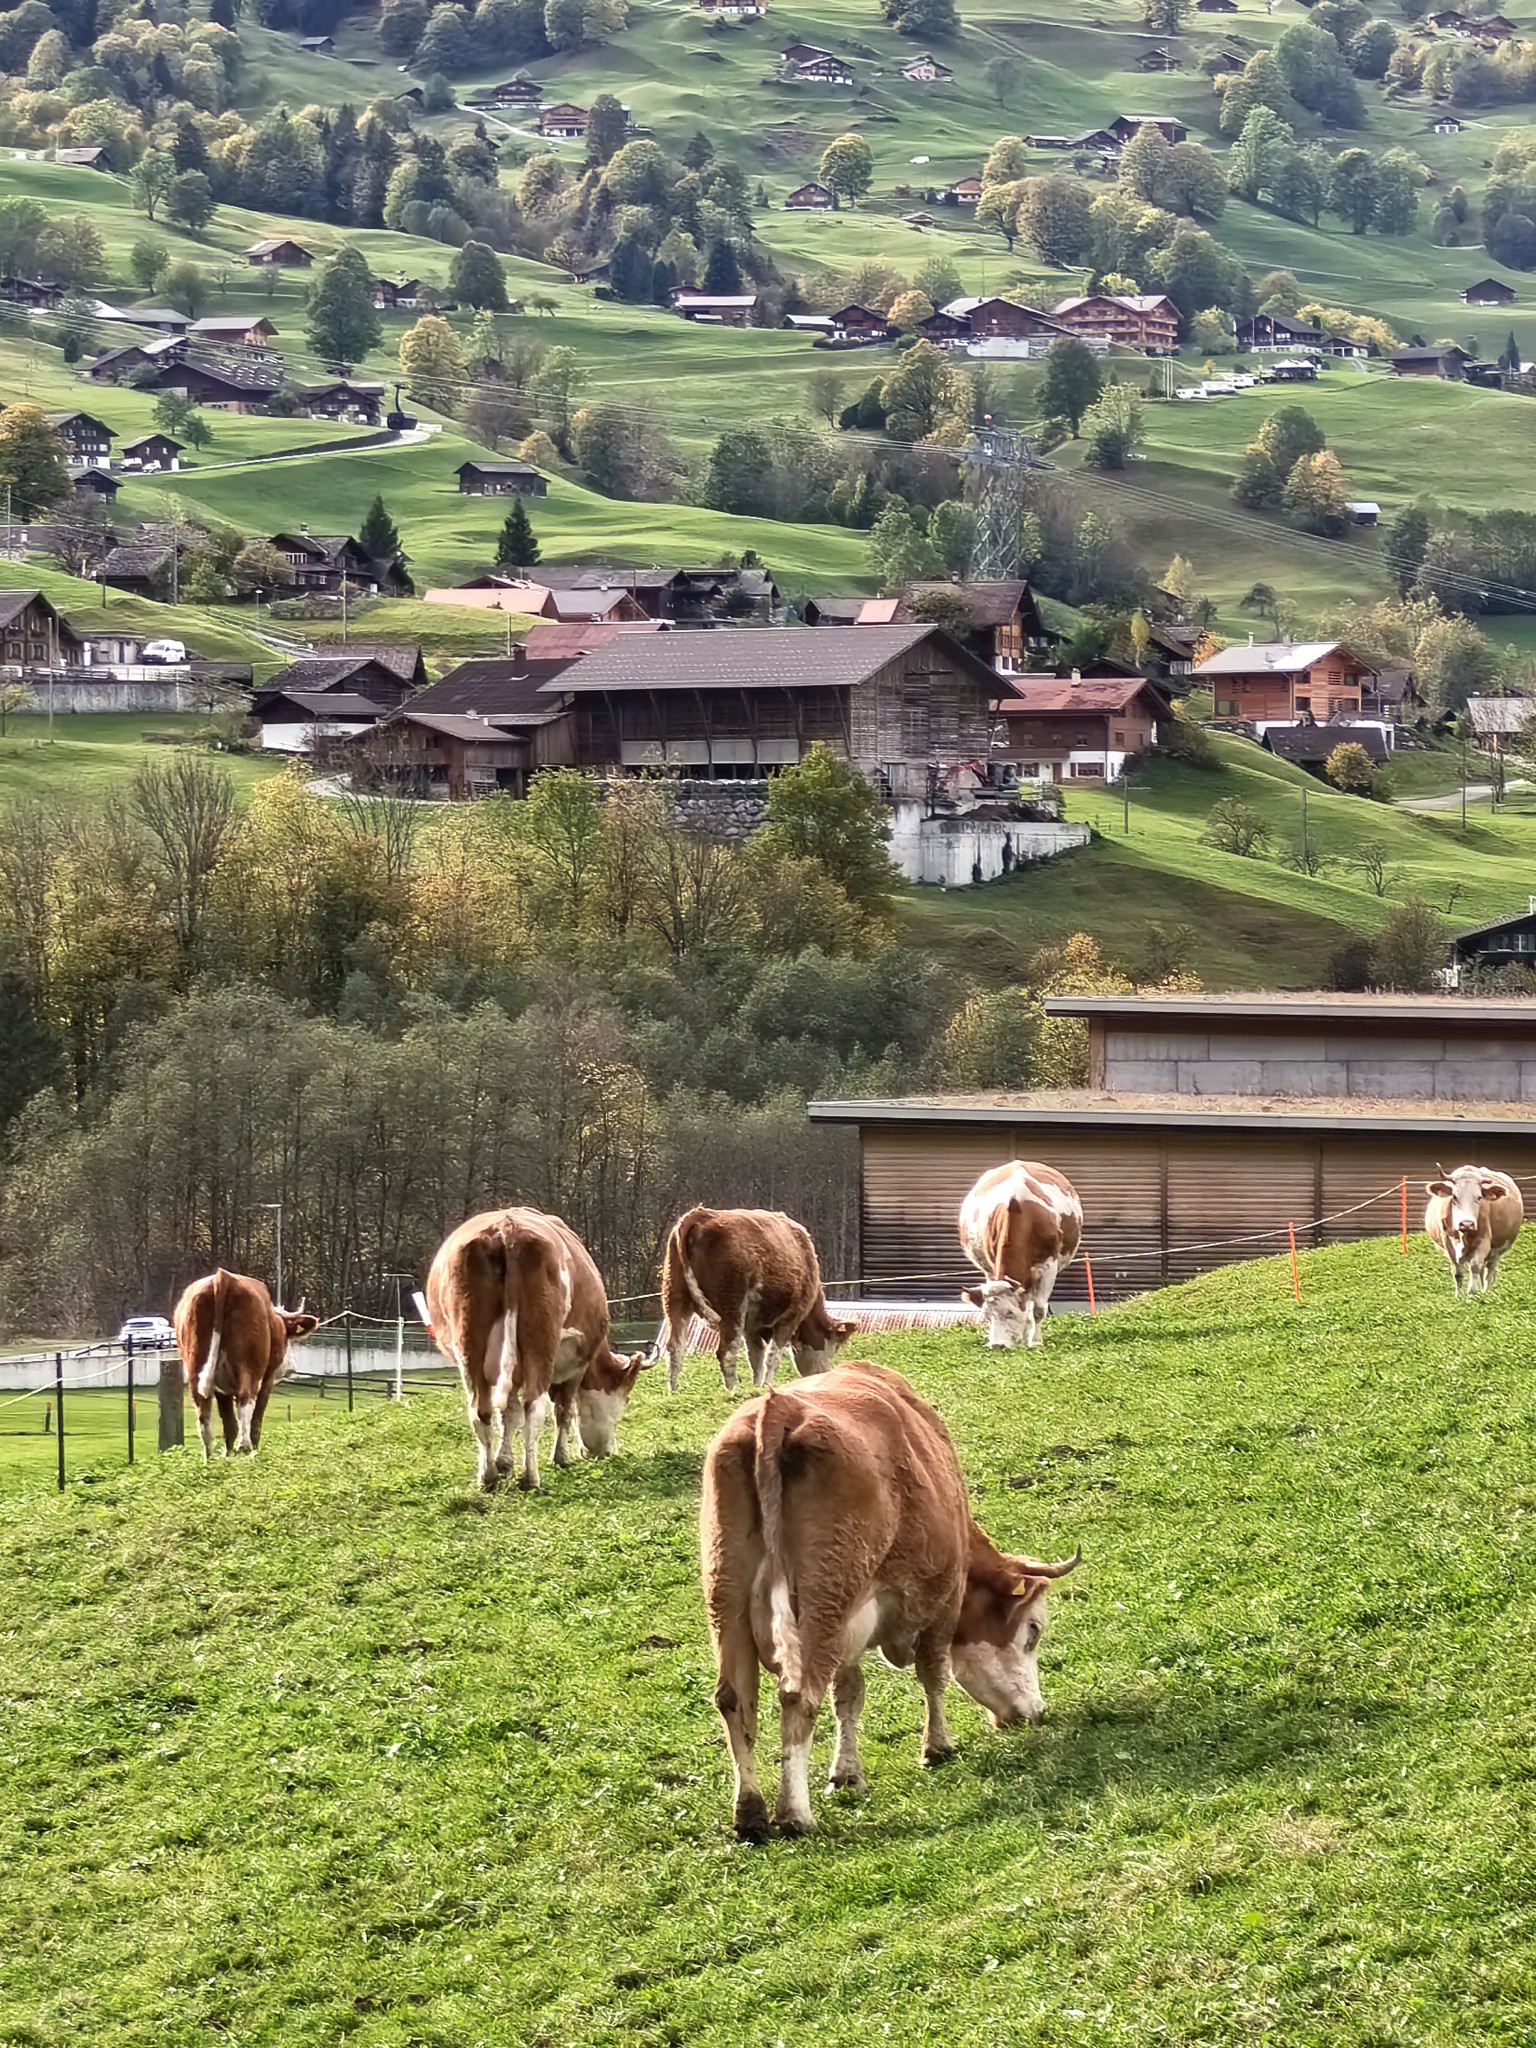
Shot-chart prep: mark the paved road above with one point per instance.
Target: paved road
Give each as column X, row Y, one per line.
column 1477, row 792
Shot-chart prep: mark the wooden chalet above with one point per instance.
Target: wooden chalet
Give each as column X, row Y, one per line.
column 1158, row 60
column 733, row 10
column 1446, row 360
column 487, row 726
column 1267, row 331
column 87, row 439
column 1503, row 942
column 1276, row 682
column 860, row 323
column 515, row 92
column 343, row 399
column 1126, row 127
column 151, row 452
column 235, row 330
column 33, row 634
column 320, row 563
column 563, row 122
column 317, row 46
column 392, row 293
column 1077, row 729
column 822, row 69
column 290, row 720
column 965, row 192
column 1003, row 620
column 1145, row 321
column 34, row 292
column 715, row 309
column 95, row 487
column 1489, row 291
column 811, row 199
column 927, row 70
column 898, row 701
column 485, row 479
column 278, row 252
column 91, row 158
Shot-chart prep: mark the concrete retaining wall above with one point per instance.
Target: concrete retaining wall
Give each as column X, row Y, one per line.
column 1319, row 1062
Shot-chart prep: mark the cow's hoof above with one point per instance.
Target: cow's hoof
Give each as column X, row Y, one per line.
column 847, row 1781
column 793, row 1825
column 527, row 1484
column 932, row 1758
column 751, row 1820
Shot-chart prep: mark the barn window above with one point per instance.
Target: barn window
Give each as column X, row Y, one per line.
column 1226, row 707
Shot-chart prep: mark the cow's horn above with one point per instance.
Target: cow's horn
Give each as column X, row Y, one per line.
column 1039, row 1570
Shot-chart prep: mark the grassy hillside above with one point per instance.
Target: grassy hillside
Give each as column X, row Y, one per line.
column 1251, row 919
column 453, row 1774
column 93, row 756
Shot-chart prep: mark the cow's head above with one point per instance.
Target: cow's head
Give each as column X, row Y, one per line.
column 603, row 1396
column 995, row 1655
column 1007, row 1310
column 816, row 1341
column 1466, row 1190
column 297, row 1323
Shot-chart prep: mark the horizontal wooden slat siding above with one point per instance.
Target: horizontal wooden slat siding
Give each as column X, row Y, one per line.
column 1357, row 1167
column 1119, row 1180
column 1221, row 1185
column 913, row 1183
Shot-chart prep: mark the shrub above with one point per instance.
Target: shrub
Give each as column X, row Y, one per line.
column 1236, row 827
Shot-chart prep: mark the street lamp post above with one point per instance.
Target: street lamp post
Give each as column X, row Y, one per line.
column 276, row 1208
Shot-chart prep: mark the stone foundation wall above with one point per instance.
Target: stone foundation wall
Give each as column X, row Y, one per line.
column 1319, row 1062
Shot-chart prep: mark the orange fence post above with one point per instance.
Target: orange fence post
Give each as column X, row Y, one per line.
column 1295, row 1268
column 1403, row 1246
column 1093, row 1307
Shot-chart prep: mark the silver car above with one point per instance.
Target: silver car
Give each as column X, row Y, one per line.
column 147, row 1333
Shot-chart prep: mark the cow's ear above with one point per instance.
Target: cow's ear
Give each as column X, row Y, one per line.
column 301, row 1326
column 974, row 1296
column 1439, row 1187
column 1491, row 1191
column 1026, row 1590
column 843, row 1331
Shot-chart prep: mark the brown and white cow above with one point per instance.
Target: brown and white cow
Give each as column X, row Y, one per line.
column 234, row 1345
column 1020, row 1225
column 516, row 1303
column 835, row 1520
column 752, row 1274
column 1474, row 1216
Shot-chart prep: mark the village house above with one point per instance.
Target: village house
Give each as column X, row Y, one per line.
column 92, row 158
column 1504, row 942
column 1489, row 291
column 141, row 568
column 150, row 452
column 95, row 487
column 1159, row 59
column 965, row 192
column 900, row 702
column 392, row 293
column 240, row 388
column 1447, row 360
column 1081, row 729
column 1146, row 321
column 487, row 726
column 811, row 199
column 1126, row 127
column 509, row 593
column 294, row 721
column 160, row 320
column 1277, row 682
column 563, row 123
column 33, row 292
column 516, row 92
column 927, row 70
column 1495, row 721
column 131, row 360
column 1002, row 625
column 1277, row 331
column 683, row 596
column 819, row 67
column 360, row 404
column 278, row 252
column 733, row 10
column 484, row 479
column 320, row 563
column 860, row 323
column 1487, row 29
column 1447, row 124
column 87, row 439
column 1311, row 745
column 1001, row 320
column 33, row 634
column 328, row 696
column 945, row 328
column 317, row 46
column 235, row 330
column 715, row 309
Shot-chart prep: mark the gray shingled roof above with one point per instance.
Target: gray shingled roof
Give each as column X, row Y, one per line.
column 754, row 658
column 495, row 688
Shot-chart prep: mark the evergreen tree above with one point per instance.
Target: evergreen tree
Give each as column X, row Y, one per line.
column 517, row 545
column 630, row 270
column 607, row 129
column 344, row 325
column 189, row 149
column 1510, row 360
column 722, row 273
column 699, row 151
column 378, row 536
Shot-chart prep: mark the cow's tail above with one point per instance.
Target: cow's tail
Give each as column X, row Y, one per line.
column 209, row 1373
column 675, row 1298
column 771, row 1429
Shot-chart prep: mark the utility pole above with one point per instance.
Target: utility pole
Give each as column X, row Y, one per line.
column 1304, row 848
column 343, row 605
column 1463, row 723
column 399, row 1335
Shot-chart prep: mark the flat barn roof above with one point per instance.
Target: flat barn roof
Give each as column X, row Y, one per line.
column 1088, row 1109
column 1281, row 1009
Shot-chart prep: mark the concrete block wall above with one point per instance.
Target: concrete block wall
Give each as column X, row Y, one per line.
column 1320, row 1063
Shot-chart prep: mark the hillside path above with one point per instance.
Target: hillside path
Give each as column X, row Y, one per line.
column 1476, row 792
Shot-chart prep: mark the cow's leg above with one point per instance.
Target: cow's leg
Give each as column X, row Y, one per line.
column 726, row 1352
column 848, row 1700
column 261, row 1408
column 507, row 1410
column 535, row 1416
column 567, row 1424
column 932, row 1663
column 227, row 1421
column 761, row 1356
column 478, row 1401
column 797, row 1723
column 737, row 1688
column 669, row 1345
column 246, row 1397
column 204, row 1424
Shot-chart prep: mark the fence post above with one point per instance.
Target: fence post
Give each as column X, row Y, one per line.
column 349, row 1360
column 1403, row 1242
column 128, row 1348
column 172, row 1390
column 58, row 1398
column 1295, row 1268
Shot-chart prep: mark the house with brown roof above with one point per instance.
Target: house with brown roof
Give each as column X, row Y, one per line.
column 92, row 158
column 1077, row 729
column 320, row 563
column 965, row 192
column 1003, row 621
column 87, row 440
column 1489, row 291
column 507, row 593
column 293, row 721
column 343, row 398
column 1126, row 127
column 483, row 478
column 811, row 199
column 564, row 122
column 860, row 323
column 151, row 452
column 1447, row 360
column 392, row 293
column 927, row 70
column 235, row 330
column 715, row 309
column 1278, row 682
column 278, row 252
column 33, row 634
column 901, row 702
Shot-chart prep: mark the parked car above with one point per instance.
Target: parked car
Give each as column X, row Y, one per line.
column 165, row 650
column 147, row 1333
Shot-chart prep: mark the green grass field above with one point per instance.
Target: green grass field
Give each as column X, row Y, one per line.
column 449, row 1772
column 94, row 755
column 1253, row 920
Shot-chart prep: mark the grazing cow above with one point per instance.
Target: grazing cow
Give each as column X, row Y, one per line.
column 516, row 1303
column 752, row 1274
column 1020, row 1225
column 835, row 1519
column 1474, row 1216
column 234, row 1345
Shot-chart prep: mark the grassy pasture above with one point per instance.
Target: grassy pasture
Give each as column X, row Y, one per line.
column 451, row 1775
column 94, row 754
